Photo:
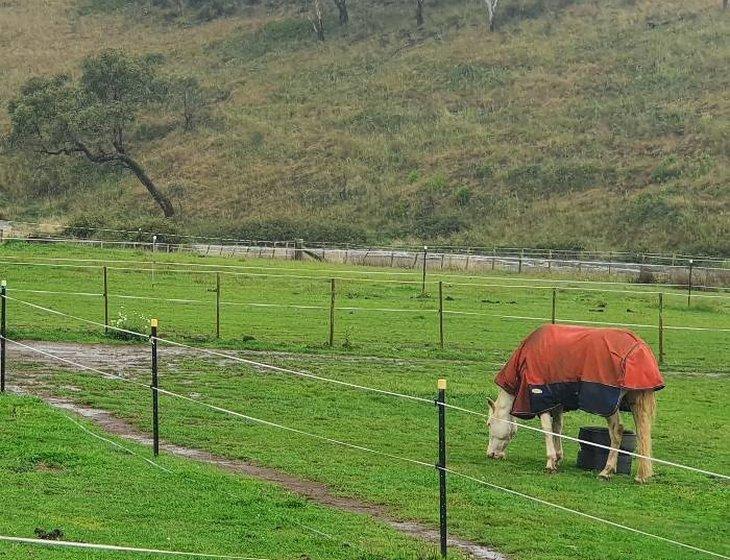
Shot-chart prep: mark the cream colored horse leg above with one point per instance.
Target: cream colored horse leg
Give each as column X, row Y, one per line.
column 616, row 432
column 558, row 429
column 546, row 420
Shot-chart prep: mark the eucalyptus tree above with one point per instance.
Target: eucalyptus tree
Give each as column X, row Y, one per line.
column 95, row 117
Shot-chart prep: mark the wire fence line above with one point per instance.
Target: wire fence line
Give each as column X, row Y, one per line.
column 400, row 458
column 716, row 278
column 583, row 514
column 141, row 335
column 113, row 443
column 308, row 375
column 185, row 267
column 620, row 255
column 409, row 258
column 109, row 375
column 561, row 320
column 119, row 548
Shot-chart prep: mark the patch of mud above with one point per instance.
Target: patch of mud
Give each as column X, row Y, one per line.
column 137, row 356
column 44, row 467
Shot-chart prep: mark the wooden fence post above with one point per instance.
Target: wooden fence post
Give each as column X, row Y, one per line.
column 154, row 247
column 423, row 278
column 689, row 283
column 332, row 312
column 661, row 328
column 106, row 301
column 441, row 314
column 217, row 304
column 298, row 249
column 555, row 297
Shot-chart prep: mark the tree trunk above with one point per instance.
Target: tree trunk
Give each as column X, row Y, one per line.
column 318, row 22
column 342, row 7
column 159, row 198
column 724, row 4
column 419, row 13
column 492, row 12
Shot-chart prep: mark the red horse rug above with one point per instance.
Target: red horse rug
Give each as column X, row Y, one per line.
column 578, row 368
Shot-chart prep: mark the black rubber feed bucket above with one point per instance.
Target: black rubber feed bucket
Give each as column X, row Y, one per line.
column 594, row 458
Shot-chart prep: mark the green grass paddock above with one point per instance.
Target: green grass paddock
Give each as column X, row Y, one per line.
column 54, row 475
column 399, row 351
column 271, row 304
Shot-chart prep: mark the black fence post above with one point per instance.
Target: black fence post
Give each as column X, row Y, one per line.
column 689, row 283
column 440, row 403
column 155, row 394
column 106, row 300
column 3, row 331
column 332, row 312
column 441, row 314
column 423, row 278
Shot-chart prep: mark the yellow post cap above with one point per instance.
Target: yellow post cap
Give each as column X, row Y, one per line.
column 442, row 384
column 4, row 283
column 153, row 322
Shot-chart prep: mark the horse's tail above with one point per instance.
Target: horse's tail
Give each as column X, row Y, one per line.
column 643, row 407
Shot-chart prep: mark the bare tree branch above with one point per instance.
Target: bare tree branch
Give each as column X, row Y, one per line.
column 316, row 18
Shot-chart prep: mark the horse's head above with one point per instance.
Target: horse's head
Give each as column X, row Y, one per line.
column 501, row 424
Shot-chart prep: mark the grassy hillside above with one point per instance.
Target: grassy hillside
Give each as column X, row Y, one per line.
column 578, row 123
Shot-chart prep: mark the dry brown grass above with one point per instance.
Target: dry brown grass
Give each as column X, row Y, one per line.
column 594, row 130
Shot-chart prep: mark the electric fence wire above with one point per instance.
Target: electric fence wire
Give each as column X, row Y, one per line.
column 369, row 450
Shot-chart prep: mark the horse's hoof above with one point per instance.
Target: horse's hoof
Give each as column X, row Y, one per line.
column 551, row 469
column 605, row 475
column 641, row 480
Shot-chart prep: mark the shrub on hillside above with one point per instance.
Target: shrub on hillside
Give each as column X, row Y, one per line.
column 199, row 10
column 85, row 226
column 98, row 226
column 530, row 9
column 645, row 276
column 439, row 225
column 293, row 228
column 538, row 179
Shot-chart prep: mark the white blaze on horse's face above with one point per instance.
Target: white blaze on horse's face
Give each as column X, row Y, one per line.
column 501, row 427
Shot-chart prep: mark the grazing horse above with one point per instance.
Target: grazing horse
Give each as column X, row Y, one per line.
column 559, row 368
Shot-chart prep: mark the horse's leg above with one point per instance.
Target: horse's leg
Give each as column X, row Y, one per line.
column 546, row 421
column 643, row 408
column 558, row 429
column 616, row 431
